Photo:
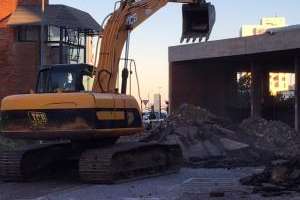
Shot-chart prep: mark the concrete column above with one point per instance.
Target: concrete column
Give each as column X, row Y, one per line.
column 256, row 91
column 265, row 85
column 297, row 93
column 231, row 86
column 171, row 71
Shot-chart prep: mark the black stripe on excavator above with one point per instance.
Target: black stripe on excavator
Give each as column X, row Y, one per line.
column 61, row 119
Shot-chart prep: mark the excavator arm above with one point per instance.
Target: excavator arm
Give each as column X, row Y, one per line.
column 198, row 19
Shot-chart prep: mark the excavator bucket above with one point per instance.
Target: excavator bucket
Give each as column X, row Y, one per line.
column 198, row 21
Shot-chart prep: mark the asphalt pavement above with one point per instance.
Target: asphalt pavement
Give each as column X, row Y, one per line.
column 189, row 184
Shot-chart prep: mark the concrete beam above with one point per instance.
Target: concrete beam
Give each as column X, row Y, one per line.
column 265, row 81
column 242, row 46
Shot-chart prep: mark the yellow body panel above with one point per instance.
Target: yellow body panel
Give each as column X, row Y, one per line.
column 106, row 108
column 48, row 101
column 67, row 101
column 108, row 100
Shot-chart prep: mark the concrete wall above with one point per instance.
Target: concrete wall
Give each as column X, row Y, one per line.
column 205, row 74
column 210, row 86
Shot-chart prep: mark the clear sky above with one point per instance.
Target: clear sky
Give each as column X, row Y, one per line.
column 150, row 41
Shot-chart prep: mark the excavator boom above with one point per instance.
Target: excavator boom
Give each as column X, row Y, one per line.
column 198, row 20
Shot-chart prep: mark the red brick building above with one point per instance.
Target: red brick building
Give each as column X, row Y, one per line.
column 66, row 31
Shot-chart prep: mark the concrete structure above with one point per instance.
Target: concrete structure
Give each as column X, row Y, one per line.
column 265, row 24
column 64, row 40
column 157, row 102
column 205, row 74
column 279, row 82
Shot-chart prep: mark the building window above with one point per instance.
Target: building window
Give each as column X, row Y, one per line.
column 72, row 43
column 53, row 34
column 276, row 78
column 28, row 33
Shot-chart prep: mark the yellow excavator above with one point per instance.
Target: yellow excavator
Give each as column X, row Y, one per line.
column 83, row 126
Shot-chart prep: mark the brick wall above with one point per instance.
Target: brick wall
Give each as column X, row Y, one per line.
column 18, row 62
column 6, row 62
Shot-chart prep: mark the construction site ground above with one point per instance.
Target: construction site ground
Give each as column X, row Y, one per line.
column 189, row 184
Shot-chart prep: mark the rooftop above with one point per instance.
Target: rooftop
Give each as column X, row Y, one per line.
column 56, row 15
column 275, row 40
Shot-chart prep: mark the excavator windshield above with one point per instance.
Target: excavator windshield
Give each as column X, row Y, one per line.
column 64, row 78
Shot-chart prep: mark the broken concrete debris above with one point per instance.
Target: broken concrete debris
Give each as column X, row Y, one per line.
column 211, row 141
column 272, row 136
column 280, row 177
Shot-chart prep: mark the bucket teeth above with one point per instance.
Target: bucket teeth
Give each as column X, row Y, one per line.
column 198, row 21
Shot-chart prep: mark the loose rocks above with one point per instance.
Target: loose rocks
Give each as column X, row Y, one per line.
column 206, row 140
column 280, row 177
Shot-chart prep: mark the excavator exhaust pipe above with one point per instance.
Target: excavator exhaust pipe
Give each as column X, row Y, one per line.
column 198, row 21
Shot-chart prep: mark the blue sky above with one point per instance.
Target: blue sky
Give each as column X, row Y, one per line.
column 150, row 41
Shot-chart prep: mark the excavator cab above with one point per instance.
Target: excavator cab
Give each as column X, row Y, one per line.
column 198, row 21
column 64, row 78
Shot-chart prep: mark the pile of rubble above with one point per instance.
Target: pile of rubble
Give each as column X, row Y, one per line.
column 280, row 177
column 206, row 139
column 210, row 141
column 273, row 136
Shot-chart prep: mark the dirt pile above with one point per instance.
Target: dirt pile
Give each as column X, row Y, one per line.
column 206, row 139
column 280, row 177
column 273, row 136
column 190, row 115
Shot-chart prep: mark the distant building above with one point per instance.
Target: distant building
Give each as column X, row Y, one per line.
column 157, row 103
column 279, row 82
column 66, row 32
column 265, row 24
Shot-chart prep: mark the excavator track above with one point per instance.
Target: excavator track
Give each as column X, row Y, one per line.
column 28, row 164
column 129, row 161
column 111, row 164
column 10, row 166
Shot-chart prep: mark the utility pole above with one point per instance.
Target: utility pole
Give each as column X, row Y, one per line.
column 42, row 39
